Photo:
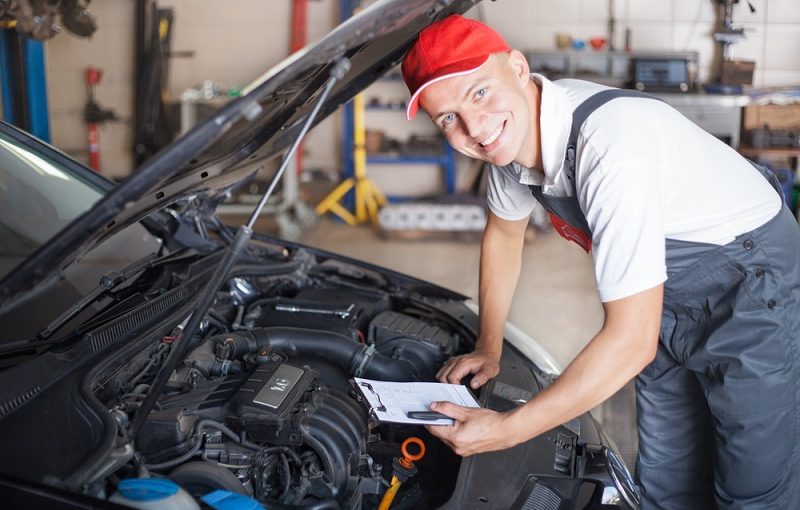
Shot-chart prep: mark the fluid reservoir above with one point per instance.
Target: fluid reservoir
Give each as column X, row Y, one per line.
column 153, row 493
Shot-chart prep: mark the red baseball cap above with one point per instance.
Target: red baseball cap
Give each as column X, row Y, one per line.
column 453, row 46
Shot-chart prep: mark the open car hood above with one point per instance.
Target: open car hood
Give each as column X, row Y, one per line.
column 218, row 153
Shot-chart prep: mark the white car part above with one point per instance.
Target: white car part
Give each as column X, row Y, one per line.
column 529, row 347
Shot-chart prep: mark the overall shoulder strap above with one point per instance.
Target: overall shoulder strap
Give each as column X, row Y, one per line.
column 579, row 116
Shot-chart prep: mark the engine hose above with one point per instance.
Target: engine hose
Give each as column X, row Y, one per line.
column 287, row 479
column 200, row 427
column 161, row 466
column 324, row 504
column 358, row 359
column 260, row 269
column 248, row 444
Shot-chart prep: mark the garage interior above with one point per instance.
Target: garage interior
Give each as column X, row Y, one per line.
column 145, row 71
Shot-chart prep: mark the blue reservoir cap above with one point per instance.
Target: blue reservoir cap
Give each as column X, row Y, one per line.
column 147, row 489
column 227, row 500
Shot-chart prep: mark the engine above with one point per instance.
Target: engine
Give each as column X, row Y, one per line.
column 264, row 405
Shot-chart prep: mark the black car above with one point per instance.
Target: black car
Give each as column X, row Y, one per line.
column 144, row 344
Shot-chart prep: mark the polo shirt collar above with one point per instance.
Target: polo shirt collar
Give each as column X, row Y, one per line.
column 554, row 122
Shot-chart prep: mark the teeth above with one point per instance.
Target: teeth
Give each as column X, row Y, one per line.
column 492, row 137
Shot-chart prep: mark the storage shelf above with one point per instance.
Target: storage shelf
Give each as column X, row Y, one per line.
column 390, row 160
column 385, row 108
column 788, row 152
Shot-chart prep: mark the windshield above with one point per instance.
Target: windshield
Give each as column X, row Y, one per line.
column 37, row 200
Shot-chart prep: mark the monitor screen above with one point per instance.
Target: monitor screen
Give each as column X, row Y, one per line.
column 661, row 72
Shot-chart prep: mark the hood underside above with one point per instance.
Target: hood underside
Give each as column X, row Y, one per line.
column 219, row 152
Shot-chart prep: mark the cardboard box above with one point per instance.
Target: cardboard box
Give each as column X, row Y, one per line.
column 772, row 116
column 737, row 72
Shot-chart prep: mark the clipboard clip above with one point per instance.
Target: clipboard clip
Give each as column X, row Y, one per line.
column 381, row 408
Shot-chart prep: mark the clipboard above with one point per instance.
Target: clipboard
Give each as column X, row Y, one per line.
column 393, row 401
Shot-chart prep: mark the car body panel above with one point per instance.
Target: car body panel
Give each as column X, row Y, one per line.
column 80, row 346
column 212, row 156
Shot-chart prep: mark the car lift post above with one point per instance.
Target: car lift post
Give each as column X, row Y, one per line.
column 22, row 79
column 368, row 198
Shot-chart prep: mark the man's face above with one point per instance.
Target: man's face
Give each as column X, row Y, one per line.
column 486, row 114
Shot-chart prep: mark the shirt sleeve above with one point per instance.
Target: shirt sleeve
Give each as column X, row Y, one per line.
column 506, row 197
column 622, row 197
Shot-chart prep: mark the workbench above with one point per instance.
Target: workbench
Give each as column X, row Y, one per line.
column 719, row 114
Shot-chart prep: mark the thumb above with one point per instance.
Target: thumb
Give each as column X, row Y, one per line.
column 449, row 409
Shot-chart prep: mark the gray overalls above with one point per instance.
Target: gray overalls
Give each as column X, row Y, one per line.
column 720, row 400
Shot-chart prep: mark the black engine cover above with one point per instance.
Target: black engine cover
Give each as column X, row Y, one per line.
column 265, row 403
column 275, row 404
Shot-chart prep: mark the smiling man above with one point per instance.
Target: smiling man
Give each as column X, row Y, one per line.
column 697, row 263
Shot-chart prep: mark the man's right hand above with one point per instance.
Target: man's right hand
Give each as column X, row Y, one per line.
column 483, row 365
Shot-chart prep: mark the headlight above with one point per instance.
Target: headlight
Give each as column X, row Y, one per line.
column 622, row 478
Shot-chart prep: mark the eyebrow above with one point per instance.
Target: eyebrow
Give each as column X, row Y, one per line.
column 476, row 84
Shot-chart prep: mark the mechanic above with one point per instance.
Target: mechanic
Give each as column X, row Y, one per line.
column 697, row 262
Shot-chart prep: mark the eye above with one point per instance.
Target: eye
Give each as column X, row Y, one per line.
column 447, row 119
column 480, row 93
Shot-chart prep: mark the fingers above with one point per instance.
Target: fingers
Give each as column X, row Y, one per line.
column 456, row 368
column 443, row 433
column 445, row 373
column 441, row 375
column 462, row 369
column 481, row 377
column 479, row 380
column 455, row 411
column 481, row 365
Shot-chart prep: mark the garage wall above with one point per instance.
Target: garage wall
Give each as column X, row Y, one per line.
column 67, row 57
column 773, row 32
column 235, row 40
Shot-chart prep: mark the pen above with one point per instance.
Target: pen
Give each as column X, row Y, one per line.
column 427, row 415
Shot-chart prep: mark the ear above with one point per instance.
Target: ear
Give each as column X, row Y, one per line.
column 519, row 64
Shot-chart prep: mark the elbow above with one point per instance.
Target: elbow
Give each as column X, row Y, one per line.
column 646, row 352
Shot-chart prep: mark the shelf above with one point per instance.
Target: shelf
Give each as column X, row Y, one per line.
column 386, row 108
column 788, row 152
column 390, row 160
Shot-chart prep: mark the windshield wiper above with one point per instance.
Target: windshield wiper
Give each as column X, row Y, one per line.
column 181, row 345
column 108, row 282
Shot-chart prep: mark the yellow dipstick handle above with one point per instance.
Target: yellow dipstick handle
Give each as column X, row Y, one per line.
column 390, row 493
column 407, row 462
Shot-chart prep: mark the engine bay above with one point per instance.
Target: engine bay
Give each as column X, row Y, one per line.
column 259, row 402
column 264, row 404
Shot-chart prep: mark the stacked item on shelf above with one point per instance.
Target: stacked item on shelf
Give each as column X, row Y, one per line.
column 772, row 134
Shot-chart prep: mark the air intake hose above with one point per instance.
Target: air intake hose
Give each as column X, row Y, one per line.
column 358, row 359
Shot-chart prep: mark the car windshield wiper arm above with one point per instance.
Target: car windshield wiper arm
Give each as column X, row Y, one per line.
column 182, row 343
column 107, row 282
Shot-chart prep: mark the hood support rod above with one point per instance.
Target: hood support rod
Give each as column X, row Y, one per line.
column 182, row 344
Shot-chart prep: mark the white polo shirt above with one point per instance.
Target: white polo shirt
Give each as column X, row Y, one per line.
column 645, row 174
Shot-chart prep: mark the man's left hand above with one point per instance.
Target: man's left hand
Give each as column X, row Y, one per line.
column 475, row 430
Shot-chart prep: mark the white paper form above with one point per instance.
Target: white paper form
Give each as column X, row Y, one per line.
column 391, row 401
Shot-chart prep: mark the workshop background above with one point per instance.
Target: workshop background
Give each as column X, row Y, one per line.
column 196, row 54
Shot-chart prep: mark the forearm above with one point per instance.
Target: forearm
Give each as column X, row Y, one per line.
column 594, row 375
column 501, row 256
column 622, row 348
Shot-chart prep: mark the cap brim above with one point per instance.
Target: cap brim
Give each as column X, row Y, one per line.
column 413, row 104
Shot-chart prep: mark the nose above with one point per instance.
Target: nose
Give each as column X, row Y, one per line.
column 473, row 122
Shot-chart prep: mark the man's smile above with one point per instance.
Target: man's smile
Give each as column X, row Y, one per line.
column 493, row 140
